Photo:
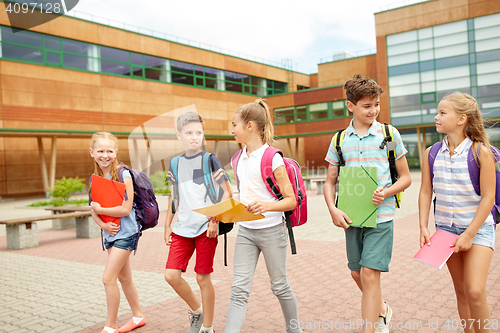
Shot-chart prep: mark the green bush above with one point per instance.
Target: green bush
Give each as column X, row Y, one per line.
column 65, row 187
column 159, row 181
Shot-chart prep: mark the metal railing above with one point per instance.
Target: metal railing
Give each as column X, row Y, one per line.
column 400, row 4
column 348, row 55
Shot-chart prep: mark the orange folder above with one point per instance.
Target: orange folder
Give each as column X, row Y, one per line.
column 107, row 193
column 229, row 211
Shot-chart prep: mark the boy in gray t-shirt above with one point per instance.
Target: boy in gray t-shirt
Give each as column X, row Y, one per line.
column 192, row 231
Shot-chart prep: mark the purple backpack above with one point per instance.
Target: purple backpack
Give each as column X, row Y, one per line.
column 298, row 215
column 474, row 171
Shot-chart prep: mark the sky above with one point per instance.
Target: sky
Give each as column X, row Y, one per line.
column 304, row 31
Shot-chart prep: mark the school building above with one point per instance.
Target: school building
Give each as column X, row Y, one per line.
column 65, row 79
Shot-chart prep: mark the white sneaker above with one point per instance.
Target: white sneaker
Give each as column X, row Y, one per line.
column 384, row 321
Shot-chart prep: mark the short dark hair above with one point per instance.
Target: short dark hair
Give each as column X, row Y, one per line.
column 360, row 87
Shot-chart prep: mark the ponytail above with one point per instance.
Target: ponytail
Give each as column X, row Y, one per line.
column 258, row 112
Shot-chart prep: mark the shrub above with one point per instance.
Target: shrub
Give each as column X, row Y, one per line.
column 65, row 187
column 159, row 181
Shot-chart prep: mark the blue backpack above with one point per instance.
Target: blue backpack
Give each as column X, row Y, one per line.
column 213, row 191
column 474, row 171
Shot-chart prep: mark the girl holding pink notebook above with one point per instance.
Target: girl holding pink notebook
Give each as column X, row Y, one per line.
column 458, row 209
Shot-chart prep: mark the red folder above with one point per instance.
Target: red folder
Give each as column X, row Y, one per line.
column 107, row 193
column 439, row 251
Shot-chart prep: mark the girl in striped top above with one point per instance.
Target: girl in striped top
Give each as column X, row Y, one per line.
column 458, row 209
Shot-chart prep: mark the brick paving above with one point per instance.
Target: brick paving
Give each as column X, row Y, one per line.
column 57, row 287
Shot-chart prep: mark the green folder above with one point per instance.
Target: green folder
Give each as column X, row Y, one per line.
column 356, row 187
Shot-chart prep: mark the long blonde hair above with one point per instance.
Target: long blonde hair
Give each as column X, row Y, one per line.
column 97, row 168
column 474, row 128
column 258, row 112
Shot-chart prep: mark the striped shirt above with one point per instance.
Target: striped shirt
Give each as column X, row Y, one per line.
column 456, row 200
column 365, row 151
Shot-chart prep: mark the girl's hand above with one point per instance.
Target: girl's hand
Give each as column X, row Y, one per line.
column 168, row 236
column 213, row 228
column 463, row 242
column 378, row 196
column 96, row 207
column 339, row 218
column 425, row 237
column 258, row 207
column 213, row 219
column 111, row 228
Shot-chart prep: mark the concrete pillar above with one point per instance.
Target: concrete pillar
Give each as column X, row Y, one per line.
column 61, row 224
column 22, row 236
column 87, row 228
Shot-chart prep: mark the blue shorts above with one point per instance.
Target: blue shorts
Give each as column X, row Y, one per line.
column 485, row 235
column 124, row 243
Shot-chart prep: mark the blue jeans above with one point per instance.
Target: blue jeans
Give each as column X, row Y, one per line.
column 272, row 242
column 485, row 235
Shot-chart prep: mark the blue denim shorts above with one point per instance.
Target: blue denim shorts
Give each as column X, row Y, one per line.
column 124, row 243
column 485, row 235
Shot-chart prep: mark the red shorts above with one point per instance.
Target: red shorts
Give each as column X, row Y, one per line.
column 182, row 249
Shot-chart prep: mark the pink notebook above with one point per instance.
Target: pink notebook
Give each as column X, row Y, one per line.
column 439, row 251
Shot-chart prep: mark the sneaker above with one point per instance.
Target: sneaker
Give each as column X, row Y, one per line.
column 196, row 322
column 384, row 320
column 130, row 325
column 207, row 331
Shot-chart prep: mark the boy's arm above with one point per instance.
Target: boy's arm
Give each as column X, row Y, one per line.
column 404, row 180
column 168, row 220
column 487, row 173
column 339, row 218
column 424, row 200
column 228, row 191
column 119, row 211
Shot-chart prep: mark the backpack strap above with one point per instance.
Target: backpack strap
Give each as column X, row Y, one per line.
column 388, row 142
column 207, row 177
column 234, row 164
column 266, row 170
column 174, row 164
column 338, row 138
column 435, row 148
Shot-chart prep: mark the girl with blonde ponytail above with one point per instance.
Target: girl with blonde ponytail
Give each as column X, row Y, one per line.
column 120, row 239
column 458, row 209
column 252, row 127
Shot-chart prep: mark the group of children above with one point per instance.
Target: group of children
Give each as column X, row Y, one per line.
column 458, row 209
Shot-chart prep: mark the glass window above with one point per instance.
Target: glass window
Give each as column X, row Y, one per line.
column 489, row 103
column 136, row 58
column 489, row 90
column 403, row 69
column 137, row 71
column 338, row 108
column 151, row 61
column 75, row 61
column 452, row 61
column 182, row 78
column 115, row 68
column 426, row 87
column 448, row 73
column 409, row 89
column 487, row 79
column 488, row 67
column 488, row 44
column 425, row 33
column 460, row 38
column 181, row 67
column 398, row 80
column 455, row 83
column 23, row 37
column 403, row 37
column 405, row 111
column 22, row 53
column 115, row 54
column 280, row 86
column 426, row 98
column 450, row 51
column 427, row 76
column 488, row 56
column 450, row 28
column 405, row 100
column 73, row 46
column 318, row 111
column 487, row 33
column 53, row 43
column 486, row 21
column 152, row 74
column 301, row 113
column 426, row 65
column 426, row 55
column 283, row 115
column 235, row 77
column 425, row 44
column 232, row 86
column 402, row 48
column 53, row 58
column 402, row 59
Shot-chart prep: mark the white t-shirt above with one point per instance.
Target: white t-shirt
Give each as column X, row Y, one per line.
column 252, row 186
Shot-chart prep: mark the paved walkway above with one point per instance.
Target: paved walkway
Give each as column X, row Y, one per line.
column 57, row 286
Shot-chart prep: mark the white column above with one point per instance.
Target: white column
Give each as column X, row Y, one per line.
column 93, row 54
column 262, row 91
column 166, row 76
column 221, row 84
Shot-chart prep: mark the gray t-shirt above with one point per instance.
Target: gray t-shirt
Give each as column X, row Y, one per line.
column 193, row 193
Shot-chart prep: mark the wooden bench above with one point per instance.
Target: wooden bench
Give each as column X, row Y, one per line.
column 22, row 233
column 85, row 227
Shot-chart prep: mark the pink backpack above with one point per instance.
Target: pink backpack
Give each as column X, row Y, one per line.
column 298, row 215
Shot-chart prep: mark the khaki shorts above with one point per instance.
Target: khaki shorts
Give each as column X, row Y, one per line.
column 370, row 247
